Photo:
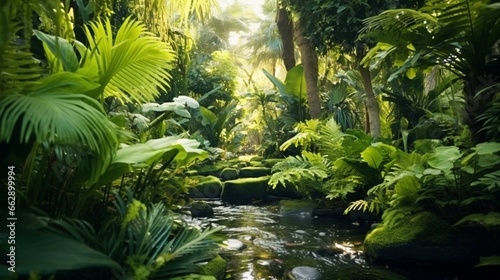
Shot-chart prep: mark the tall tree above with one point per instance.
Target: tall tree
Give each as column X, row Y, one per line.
column 285, row 28
column 330, row 23
column 310, row 63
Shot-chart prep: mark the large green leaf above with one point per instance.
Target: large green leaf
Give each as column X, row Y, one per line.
column 279, row 84
column 372, row 157
column 47, row 253
column 295, row 83
column 61, row 49
column 208, row 116
column 444, row 157
column 490, row 260
column 487, row 148
column 167, row 149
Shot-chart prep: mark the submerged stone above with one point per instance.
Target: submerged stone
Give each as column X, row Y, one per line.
column 302, row 208
column 234, row 245
column 305, row 273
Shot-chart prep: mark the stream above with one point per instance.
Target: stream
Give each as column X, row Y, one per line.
column 275, row 244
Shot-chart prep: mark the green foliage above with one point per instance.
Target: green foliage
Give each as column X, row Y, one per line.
column 446, row 181
column 50, row 246
column 341, row 106
column 302, row 171
column 463, row 29
column 336, row 174
column 338, row 22
column 155, row 243
column 217, row 128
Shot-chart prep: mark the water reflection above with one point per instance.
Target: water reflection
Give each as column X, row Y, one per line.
column 276, row 244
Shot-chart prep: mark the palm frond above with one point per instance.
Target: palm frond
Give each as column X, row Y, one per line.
column 158, row 240
column 131, row 66
column 51, row 111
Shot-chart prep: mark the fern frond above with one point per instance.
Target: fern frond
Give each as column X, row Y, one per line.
column 18, row 69
column 299, row 169
column 307, row 134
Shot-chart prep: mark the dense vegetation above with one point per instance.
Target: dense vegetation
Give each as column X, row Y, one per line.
column 104, row 106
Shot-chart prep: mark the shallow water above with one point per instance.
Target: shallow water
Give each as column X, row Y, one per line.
column 276, row 244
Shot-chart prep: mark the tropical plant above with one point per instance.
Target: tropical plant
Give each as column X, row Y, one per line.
column 145, row 242
column 341, row 106
column 55, row 247
column 457, row 35
column 153, row 243
column 446, row 181
column 323, row 145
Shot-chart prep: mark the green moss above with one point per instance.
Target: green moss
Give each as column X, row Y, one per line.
column 229, row 173
column 270, row 162
column 215, row 267
column 248, row 172
column 205, row 187
column 257, row 158
column 211, row 169
column 421, row 229
column 191, row 173
column 256, row 164
column 245, row 189
column 246, row 158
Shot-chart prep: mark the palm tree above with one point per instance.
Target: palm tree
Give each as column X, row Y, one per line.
column 458, row 35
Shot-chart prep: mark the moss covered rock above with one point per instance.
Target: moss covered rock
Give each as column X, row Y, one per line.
column 205, row 187
column 256, row 164
column 421, row 238
column 229, row 173
column 252, row 171
column 245, row 190
column 215, row 267
column 201, row 209
column 270, row 162
column 256, row 158
column 211, row 169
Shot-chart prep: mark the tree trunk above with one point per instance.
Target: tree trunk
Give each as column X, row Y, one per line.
column 285, row 28
column 310, row 63
column 370, row 100
column 475, row 105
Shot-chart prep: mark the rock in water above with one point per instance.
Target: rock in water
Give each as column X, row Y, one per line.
column 305, row 273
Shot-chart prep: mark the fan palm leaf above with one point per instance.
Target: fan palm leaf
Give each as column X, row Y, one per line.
column 56, row 111
column 131, row 66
